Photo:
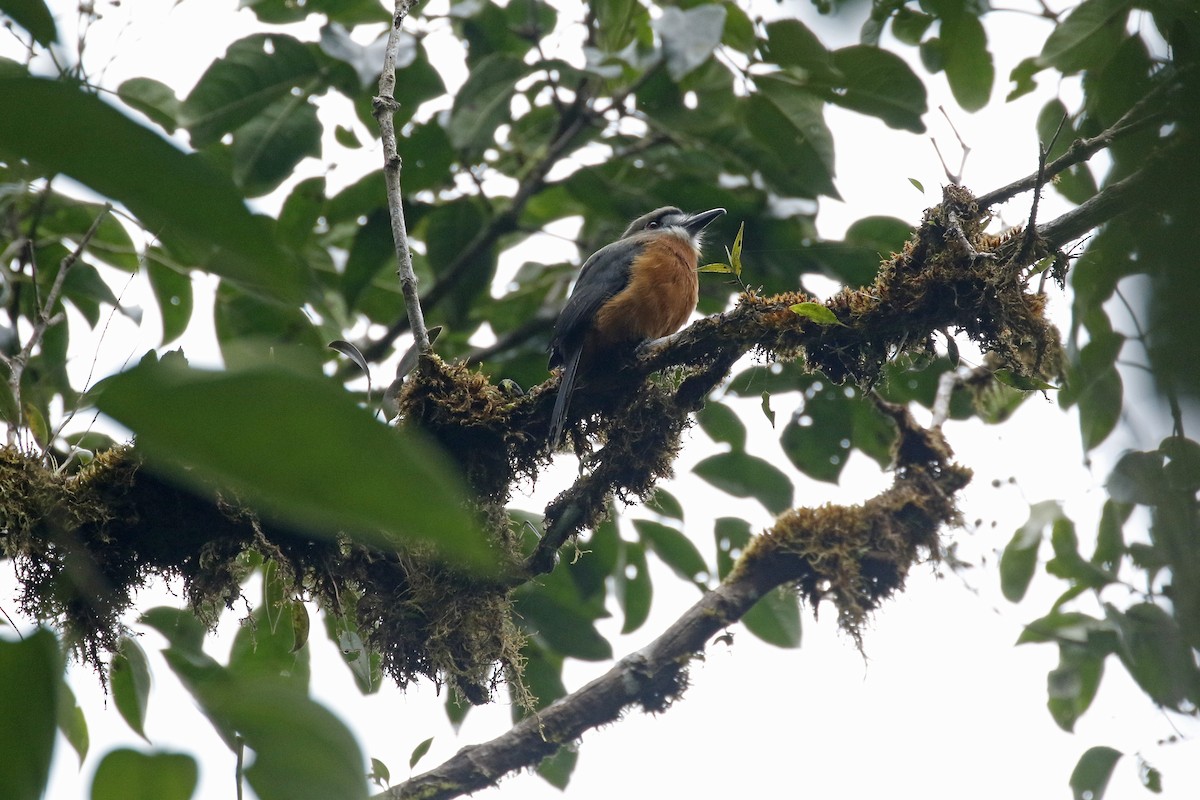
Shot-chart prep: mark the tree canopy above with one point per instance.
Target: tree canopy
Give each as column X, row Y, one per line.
column 385, row 505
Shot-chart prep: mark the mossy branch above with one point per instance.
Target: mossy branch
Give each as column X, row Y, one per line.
column 855, row 556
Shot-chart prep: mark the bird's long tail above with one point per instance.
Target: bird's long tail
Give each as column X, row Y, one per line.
column 566, row 385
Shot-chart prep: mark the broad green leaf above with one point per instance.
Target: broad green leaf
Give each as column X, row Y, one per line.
column 1183, row 463
column 665, row 503
column 558, row 768
column 380, row 774
column 1150, row 777
column 126, row 774
column 732, row 534
column 1024, row 383
column 154, row 99
column 790, row 123
column 791, row 44
column 298, row 447
column 129, row 677
column 1072, row 685
column 1068, row 563
column 1019, row 559
column 1153, row 649
column 818, row 438
column 419, row 752
column 301, row 750
column 744, row 475
column 71, row 722
column 1089, row 780
column 482, row 104
column 33, row 16
column 554, row 612
column 1138, row 478
column 674, row 549
column 181, row 628
column 268, row 147
column 775, row 618
column 1088, row 35
column 128, row 163
column 365, row 664
column 880, row 84
column 253, row 74
column 300, row 213
column 30, row 672
column 632, row 586
column 173, row 290
column 1110, row 539
column 967, row 61
column 817, row 312
column 262, row 650
column 689, row 37
column 722, row 424
column 1071, row 627
column 909, row 25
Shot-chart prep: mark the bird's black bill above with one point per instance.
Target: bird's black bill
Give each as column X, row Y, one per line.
column 698, row 222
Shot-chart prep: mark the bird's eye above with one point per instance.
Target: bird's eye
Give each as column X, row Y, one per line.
column 652, row 225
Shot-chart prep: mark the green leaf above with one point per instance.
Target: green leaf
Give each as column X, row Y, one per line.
column 1183, row 463
column 1087, row 37
column 302, row 449
column 154, row 99
column 880, row 84
column 1019, row 559
column 1154, row 651
column 1100, row 405
column 818, row 438
column 30, row 673
column 1072, row 685
column 554, row 612
column 173, row 290
column 129, row 775
column 71, row 722
column 775, row 618
column 1138, row 478
column 817, row 312
column 1022, row 78
column 674, row 549
column 790, row 123
column 482, row 104
column 419, row 752
column 1089, row 780
column 722, row 424
column 33, row 16
column 263, row 650
column 268, row 147
column 767, row 411
column 181, row 628
column 909, row 26
column 917, row 184
column 128, row 163
column 1150, row 777
column 632, row 586
column 967, row 61
column 792, row 44
column 1068, row 564
column 253, row 74
column 665, row 503
column 129, row 678
column 365, row 664
column 1063, row 627
column 1024, row 383
column 732, row 534
column 1110, row 539
column 689, row 37
column 744, row 475
column 558, row 768
column 301, row 750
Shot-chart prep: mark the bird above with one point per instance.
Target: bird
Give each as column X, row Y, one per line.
column 642, row 286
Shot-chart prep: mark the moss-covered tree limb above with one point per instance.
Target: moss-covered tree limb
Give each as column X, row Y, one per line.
column 854, row 556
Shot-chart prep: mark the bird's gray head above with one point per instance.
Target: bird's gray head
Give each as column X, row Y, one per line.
column 670, row 218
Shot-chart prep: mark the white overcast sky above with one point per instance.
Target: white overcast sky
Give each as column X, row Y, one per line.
column 942, row 706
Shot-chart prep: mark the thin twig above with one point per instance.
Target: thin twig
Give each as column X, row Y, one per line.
column 1081, row 150
column 385, row 106
column 44, row 320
